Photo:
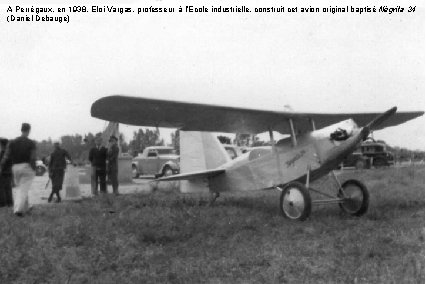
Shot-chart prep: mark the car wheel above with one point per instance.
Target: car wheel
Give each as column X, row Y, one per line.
column 295, row 201
column 380, row 163
column 40, row 171
column 135, row 173
column 167, row 171
column 355, row 197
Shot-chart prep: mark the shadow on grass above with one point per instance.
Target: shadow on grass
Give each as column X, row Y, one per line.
column 258, row 204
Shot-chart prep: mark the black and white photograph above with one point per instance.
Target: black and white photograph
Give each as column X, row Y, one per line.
column 212, row 141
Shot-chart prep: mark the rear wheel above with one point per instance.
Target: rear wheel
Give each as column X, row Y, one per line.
column 167, row 171
column 295, row 201
column 355, row 197
column 40, row 171
column 135, row 173
column 380, row 163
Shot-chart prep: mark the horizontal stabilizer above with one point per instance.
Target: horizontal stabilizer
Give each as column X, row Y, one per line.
column 193, row 175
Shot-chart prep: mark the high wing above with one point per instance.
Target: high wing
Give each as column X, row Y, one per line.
column 214, row 118
column 193, row 175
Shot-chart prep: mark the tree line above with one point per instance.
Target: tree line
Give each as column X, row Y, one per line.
column 78, row 145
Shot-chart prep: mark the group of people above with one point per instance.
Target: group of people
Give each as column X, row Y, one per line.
column 100, row 157
column 18, row 165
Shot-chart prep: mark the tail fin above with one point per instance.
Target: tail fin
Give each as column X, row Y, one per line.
column 199, row 151
column 111, row 129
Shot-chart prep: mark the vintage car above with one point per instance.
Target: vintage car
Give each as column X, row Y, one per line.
column 369, row 154
column 377, row 153
column 156, row 161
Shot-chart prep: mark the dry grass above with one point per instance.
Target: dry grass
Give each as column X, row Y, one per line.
column 168, row 237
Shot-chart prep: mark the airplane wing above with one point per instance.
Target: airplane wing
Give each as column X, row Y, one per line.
column 193, row 175
column 215, row 118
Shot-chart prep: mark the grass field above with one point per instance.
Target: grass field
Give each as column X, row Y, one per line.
column 174, row 238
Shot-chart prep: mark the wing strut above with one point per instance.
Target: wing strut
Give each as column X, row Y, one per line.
column 275, row 151
column 271, row 137
column 312, row 124
column 293, row 134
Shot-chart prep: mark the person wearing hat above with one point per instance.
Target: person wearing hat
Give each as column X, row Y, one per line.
column 97, row 157
column 21, row 153
column 112, row 158
column 57, row 166
column 6, row 198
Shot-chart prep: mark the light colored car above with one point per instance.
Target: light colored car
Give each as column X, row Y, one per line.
column 156, row 161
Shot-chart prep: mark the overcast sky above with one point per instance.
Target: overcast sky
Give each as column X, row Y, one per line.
column 51, row 73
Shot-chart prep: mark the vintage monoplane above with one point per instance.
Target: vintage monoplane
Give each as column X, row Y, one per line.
column 318, row 142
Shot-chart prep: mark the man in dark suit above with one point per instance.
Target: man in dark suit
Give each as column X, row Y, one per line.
column 57, row 166
column 97, row 157
column 112, row 156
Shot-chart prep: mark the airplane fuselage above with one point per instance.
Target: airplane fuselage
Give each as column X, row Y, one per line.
column 268, row 167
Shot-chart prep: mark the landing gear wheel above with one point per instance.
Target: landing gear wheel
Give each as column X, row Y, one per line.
column 295, row 201
column 356, row 197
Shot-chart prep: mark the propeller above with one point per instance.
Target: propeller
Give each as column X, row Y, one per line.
column 377, row 121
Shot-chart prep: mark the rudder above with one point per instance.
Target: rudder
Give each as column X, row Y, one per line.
column 199, row 151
